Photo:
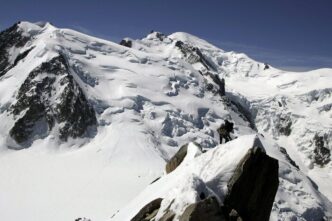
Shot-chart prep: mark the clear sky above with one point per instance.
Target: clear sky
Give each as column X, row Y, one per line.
column 289, row 34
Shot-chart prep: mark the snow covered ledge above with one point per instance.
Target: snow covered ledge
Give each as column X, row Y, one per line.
column 209, row 175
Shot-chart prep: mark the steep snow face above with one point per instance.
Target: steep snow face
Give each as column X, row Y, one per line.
column 147, row 100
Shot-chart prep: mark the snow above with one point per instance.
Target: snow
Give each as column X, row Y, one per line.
column 210, row 172
column 206, row 173
column 149, row 102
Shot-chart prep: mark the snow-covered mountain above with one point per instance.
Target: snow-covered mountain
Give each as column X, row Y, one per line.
column 88, row 124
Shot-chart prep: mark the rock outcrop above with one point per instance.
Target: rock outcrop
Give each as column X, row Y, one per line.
column 177, row 159
column 322, row 153
column 10, row 38
column 194, row 55
column 284, row 125
column 251, row 189
column 47, row 97
column 207, row 210
column 127, row 43
column 148, row 212
column 253, row 186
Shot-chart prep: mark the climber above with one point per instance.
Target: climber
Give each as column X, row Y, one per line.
column 224, row 131
column 222, row 87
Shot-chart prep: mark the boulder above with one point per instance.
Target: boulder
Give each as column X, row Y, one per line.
column 205, row 210
column 148, row 212
column 253, row 186
column 177, row 159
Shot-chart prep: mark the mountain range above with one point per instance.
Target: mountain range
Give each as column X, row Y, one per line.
column 88, row 127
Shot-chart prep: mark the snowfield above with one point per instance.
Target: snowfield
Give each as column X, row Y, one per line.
column 149, row 100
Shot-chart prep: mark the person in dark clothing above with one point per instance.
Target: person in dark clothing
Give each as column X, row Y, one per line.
column 222, row 88
column 224, row 131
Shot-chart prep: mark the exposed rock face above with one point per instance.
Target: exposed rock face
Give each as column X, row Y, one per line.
column 126, row 43
column 169, row 216
column 50, row 95
column 177, row 159
column 266, row 66
column 22, row 56
column 148, row 212
column 207, row 210
column 288, row 158
column 160, row 36
column 322, row 154
column 252, row 188
column 194, row 54
column 251, row 191
column 284, row 125
column 11, row 37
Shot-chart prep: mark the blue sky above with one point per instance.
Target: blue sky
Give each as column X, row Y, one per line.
column 289, row 34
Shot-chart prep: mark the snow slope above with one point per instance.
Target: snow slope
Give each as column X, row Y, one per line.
column 210, row 172
column 149, row 100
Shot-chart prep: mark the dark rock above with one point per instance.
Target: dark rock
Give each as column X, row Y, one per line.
column 209, row 87
column 168, row 216
column 205, row 210
column 322, row 154
column 72, row 110
column 148, row 211
column 284, row 126
column 22, row 56
column 219, row 82
column 288, row 158
column 179, row 44
column 160, row 36
column 177, row 159
column 194, row 54
column 253, row 186
column 266, row 66
column 82, row 219
column 126, row 43
column 155, row 180
column 205, row 61
column 243, row 108
column 11, row 37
